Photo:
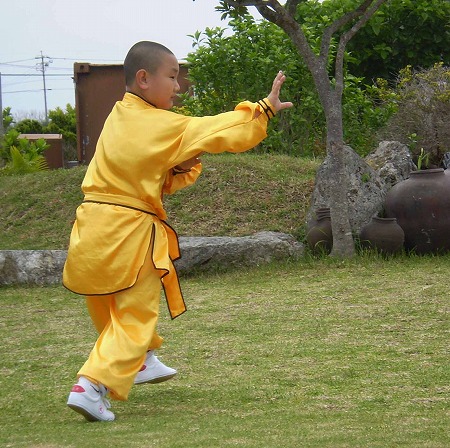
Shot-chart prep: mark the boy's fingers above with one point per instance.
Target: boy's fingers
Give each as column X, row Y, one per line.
column 286, row 105
column 279, row 76
column 278, row 82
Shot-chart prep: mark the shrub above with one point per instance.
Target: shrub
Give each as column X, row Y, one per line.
column 423, row 116
column 7, row 118
column 29, row 126
column 22, row 156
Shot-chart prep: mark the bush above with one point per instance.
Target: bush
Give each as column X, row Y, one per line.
column 29, row 126
column 7, row 118
column 21, row 156
column 60, row 122
column 423, row 117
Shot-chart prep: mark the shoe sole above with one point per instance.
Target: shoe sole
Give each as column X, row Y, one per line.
column 89, row 417
column 155, row 380
column 85, row 413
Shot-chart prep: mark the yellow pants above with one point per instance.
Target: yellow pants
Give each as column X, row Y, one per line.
column 126, row 322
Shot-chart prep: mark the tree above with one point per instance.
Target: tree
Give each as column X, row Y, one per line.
column 7, row 118
column 63, row 122
column 334, row 39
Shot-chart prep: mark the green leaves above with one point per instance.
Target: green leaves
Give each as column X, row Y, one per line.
column 402, row 33
column 23, row 163
column 22, row 156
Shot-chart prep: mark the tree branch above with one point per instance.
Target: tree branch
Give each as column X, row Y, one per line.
column 291, row 6
column 278, row 14
column 238, row 3
column 366, row 11
column 366, row 14
column 338, row 24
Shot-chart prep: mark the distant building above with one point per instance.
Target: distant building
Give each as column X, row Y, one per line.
column 97, row 88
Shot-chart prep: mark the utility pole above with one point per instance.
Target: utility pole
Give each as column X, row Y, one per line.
column 42, row 66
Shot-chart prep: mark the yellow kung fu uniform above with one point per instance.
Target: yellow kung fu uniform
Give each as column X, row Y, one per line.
column 120, row 240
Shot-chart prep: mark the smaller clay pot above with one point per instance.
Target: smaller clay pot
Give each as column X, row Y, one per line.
column 319, row 236
column 382, row 234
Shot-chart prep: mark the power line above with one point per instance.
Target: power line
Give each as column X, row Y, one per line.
column 35, row 74
column 24, row 91
column 13, row 62
column 42, row 65
column 34, row 90
column 87, row 59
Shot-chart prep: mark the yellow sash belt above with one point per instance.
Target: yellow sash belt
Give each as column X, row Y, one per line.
column 167, row 270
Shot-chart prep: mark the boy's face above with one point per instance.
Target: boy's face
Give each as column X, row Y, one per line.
column 163, row 85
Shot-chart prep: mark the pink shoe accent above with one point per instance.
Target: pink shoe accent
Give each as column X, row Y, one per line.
column 77, row 388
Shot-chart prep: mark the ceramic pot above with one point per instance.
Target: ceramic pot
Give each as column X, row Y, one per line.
column 319, row 235
column 421, row 205
column 382, row 234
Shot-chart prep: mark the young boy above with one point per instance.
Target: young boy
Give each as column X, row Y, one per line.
column 121, row 249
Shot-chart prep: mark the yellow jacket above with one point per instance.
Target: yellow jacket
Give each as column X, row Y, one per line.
column 122, row 213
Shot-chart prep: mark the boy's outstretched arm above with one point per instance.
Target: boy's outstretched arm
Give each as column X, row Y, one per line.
column 276, row 104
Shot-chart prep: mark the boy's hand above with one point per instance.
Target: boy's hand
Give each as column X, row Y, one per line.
column 188, row 164
column 274, row 95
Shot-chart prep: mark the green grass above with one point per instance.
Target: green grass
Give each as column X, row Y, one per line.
column 317, row 353
column 236, row 195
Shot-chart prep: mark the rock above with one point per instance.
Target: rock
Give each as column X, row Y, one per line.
column 40, row 267
column 366, row 191
column 392, row 161
column 370, row 179
column 219, row 253
column 37, row 267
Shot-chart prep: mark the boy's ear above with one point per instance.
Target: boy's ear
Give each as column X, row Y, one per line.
column 142, row 79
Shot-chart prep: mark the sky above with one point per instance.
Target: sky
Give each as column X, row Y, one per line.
column 94, row 31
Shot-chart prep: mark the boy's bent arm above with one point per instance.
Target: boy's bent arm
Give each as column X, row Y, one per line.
column 177, row 180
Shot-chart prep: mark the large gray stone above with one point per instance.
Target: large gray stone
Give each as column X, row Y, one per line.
column 202, row 254
column 392, row 161
column 369, row 181
column 38, row 267
column 365, row 194
column 218, row 253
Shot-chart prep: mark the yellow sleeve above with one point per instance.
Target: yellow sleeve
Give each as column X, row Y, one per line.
column 178, row 181
column 235, row 131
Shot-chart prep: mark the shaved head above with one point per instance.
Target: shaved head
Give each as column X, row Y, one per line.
column 143, row 55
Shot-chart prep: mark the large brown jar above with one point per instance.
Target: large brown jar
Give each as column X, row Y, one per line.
column 421, row 205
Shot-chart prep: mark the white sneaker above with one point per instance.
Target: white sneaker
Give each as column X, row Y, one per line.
column 154, row 371
column 89, row 400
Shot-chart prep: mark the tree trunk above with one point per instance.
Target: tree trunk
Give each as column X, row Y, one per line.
column 338, row 182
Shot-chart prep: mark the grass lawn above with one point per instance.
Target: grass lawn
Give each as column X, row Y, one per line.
column 317, row 353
